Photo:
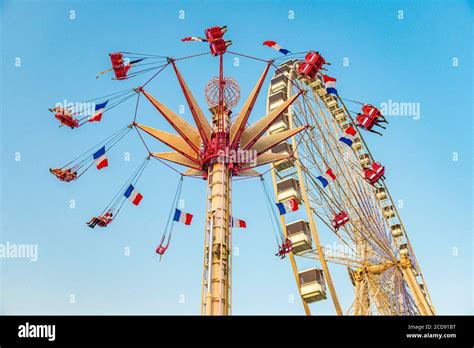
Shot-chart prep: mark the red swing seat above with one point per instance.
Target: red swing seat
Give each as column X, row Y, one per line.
column 315, row 59
column 372, row 176
column 378, row 169
column 340, row 219
column 285, row 248
column 371, row 111
column 218, row 47
column 161, row 249
column 119, row 66
column 307, row 70
column 312, row 64
column 214, row 33
column 66, row 119
column 365, row 122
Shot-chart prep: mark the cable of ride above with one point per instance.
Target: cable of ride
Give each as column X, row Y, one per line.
column 175, row 215
column 97, row 154
column 80, row 114
column 169, row 224
column 126, row 192
column 337, row 216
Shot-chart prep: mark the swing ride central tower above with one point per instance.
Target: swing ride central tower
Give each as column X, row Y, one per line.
column 217, row 151
column 217, row 248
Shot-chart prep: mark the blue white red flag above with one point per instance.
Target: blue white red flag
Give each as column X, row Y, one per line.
column 287, row 206
column 193, row 38
column 236, row 223
column 330, row 84
column 275, row 46
column 182, row 217
column 97, row 115
column 100, row 158
column 348, row 137
column 133, row 195
column 326, row 178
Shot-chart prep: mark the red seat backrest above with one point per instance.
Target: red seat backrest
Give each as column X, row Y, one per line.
column 121, row 72
column 366, row 121
column 307, row 70
column 370, row 110
column 315, row 58
column 368, row 172
column 218, row 47
column 116, row 59
column 213, row 33
column 376, row 165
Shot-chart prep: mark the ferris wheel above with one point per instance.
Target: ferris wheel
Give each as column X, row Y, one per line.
column 329, row 173
column 319, row 162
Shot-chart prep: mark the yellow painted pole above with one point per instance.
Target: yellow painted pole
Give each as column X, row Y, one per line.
column 294, row 268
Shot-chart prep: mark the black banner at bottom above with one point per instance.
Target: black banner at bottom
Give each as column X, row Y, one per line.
column 157, row 330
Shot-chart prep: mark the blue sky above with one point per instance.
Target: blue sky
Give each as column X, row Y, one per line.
column 403, row 60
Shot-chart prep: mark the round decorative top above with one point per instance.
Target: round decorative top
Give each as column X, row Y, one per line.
column 231, row 92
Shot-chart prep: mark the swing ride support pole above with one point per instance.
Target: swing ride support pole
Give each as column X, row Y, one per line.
column 218, row 280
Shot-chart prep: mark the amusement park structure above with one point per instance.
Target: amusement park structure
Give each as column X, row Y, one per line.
column 320, row 166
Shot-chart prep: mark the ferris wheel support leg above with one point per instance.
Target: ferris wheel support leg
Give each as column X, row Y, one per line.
column 315, row 235
column 362, row 299
column 292, row 257
column 313, row 229
column 417, row 265
column 420, row 300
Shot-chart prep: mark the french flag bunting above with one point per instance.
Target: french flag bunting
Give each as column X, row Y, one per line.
column 193, row 38
column 330, row 84
column 348, row 137
column 133, row 195
column 325, row 179
column 275, row 46
column 182, row 217
column 236, row 223
column 287, row 206
column 100, row 158
column 97, row 115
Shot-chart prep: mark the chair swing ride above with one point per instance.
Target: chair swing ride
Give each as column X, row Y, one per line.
column 319, row 163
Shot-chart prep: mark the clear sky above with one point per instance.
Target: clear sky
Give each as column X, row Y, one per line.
column 422, row 55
